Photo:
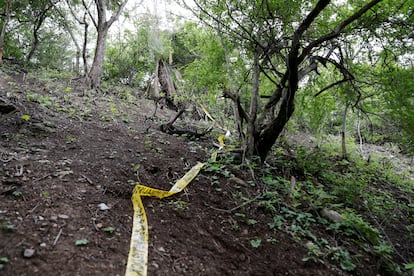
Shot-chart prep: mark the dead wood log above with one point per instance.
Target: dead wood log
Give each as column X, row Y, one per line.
column 170, row 129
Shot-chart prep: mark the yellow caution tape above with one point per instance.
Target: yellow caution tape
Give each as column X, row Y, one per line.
column 138, row 252
column 212, row 119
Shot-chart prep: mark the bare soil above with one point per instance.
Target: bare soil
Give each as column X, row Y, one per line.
column 61, row 163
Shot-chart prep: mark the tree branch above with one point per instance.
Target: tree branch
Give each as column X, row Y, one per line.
column 337, row 31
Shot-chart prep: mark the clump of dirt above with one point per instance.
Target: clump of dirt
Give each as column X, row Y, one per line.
column 63, row 154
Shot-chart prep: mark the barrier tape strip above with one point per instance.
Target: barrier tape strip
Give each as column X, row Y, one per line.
column 212, row 119
column 138, row 252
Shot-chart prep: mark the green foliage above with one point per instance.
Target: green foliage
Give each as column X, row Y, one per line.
column 256, row 243
column 17, row 194
column 25, row 117
column 218, row 168
column 342, row 257
column 81, row 242
column 109, row 229
column 3, row 260
column 399, row 101
column 130, row 60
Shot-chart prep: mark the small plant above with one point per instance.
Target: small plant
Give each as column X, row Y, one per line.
column 135, row 168
column 357, row 226
column 44, row 194
column 109, row 230
column 148, row 145
column 256, row 243
column 384, row 250
column 314, row 255
column 70, row 139
column 3, row 260
column 17, row 194
column 251, row 222
column 179, row 204
column 26, row 117
column 277, row 222
column 409, row 266
column 7, row 226
column 342, row 257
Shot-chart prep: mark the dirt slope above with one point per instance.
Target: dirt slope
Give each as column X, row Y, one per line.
column 82, row 150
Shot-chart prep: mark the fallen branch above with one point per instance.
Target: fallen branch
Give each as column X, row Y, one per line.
column 170, row 129
column 57, row 237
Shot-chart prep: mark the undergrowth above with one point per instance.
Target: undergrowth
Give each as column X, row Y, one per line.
column 369, row 198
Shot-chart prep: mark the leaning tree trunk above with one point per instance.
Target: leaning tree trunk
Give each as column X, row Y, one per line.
column 38, row 24
column 266, row 139
column 3, row 30
column 251, row 123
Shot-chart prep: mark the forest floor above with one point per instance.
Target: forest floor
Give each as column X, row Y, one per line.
column 66, row 151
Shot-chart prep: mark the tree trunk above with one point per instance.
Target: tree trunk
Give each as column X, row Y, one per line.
column 94, row 74
column 102, row 27
column 251, row 124
column 85, row 45
column 3, row 30
column 72, row 36
column 268, row 136
column 36, row 27
column 343, row 133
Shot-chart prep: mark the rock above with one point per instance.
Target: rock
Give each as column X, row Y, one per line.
column 332, row 215
column 43, row 244
column 53, row 218
column 63, row 216
column 103, row 207
column 28, row 253
column 238, row 181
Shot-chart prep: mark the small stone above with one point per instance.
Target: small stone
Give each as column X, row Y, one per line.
column 63, row 216
column 53, row 218
column 41, row 218
column 28, row 253
column 332, row 215
column 43, row 244
column 103, row 207
column 99, row 225
column 161, row 249
column 238, row 181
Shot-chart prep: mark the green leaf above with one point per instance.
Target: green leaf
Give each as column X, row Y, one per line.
column 81, row 242
column 17, row 193
column 256, row 243
column 4, row 260
column 251, row 222
column 109, row 229
column 409, row 266
column 25, row 117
